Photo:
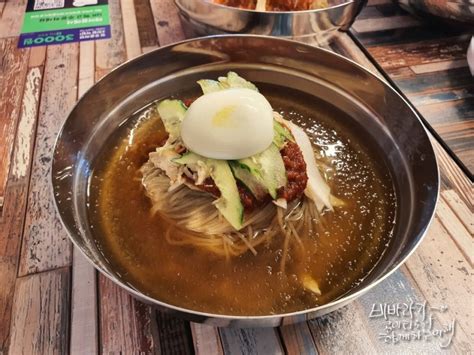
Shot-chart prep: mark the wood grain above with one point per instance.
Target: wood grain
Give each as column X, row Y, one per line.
column 84, row 311
column 124, row 321
column 335, row 325
column 167, row 22
column 37, row 57
column 251, row 341
column 12, row 18
column 174, row 334
column 461, row 237
column 45, row 242
column 456, row 134
column 40, row 321
column 11, row 222
column 377, row 24
column 84, row 337
column 297, row 339
column 438, row 66
column 86, row 67
column 111, row 52
column 462, row 211
column 433, row 96
column 452, row 177
column 145, row 23
column 206, row 339
column 13, row 67
column 454, row 111
column 130, row 29
column 443, row 275
column 428, row 63
column 412, row 54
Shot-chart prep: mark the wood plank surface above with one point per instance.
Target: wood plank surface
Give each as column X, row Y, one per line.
column 130, row 29
column 13, row 68
column 40, row 322
column 174, row 334
column 428, row 63
column 54, row 302
column 456, row 229
column 297, row 339
column 12, row 18
column 206, row 339
column 328, row 332
column 462, row 211
column 247, row 341
column 442, row 273
column 377, row 24
column 11, row 220
column 167, row 22
column 124, row 321
column 111, row 52
column 452, row 177
column 146, row 24
column 45, row 242
column 84, row 338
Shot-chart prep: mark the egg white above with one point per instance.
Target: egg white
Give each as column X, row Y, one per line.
column 228, row 124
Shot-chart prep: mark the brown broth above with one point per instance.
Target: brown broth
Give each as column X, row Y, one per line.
column 353, row 239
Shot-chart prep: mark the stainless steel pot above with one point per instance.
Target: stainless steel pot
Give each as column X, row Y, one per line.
column 203, row 17
column 370, row 102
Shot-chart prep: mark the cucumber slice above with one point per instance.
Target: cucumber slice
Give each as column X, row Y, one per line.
column 172, row 113
column 208, row 86
column 231, row 81
column 245, row 176
column 281, row 134
column 229, row 204
column 268, row 168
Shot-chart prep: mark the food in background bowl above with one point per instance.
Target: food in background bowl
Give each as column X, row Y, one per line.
column 275, row 5
column 234, row 202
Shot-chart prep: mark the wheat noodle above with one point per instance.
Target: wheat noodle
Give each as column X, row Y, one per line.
column 198, row 223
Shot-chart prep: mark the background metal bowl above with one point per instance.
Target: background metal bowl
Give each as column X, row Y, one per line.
column 203, row 17
column 454, row 11
column 372, row 104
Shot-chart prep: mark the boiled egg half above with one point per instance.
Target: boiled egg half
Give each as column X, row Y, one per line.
column 228, row 124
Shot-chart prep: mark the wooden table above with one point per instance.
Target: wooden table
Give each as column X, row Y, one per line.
column 52, row 301
column 427, row 62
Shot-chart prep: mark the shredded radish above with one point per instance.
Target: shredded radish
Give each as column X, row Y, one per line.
column 261, row 5
column 316, row 189
column 281, row 202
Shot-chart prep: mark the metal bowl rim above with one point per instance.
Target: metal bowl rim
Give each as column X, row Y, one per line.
column 335, row 303
column 250, row 11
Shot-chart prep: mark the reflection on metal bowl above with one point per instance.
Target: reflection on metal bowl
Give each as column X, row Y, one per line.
column 371, row 104
column 202, row 17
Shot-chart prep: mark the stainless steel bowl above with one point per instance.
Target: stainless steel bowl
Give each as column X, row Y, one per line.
column 370, row 102
column 203, row 17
